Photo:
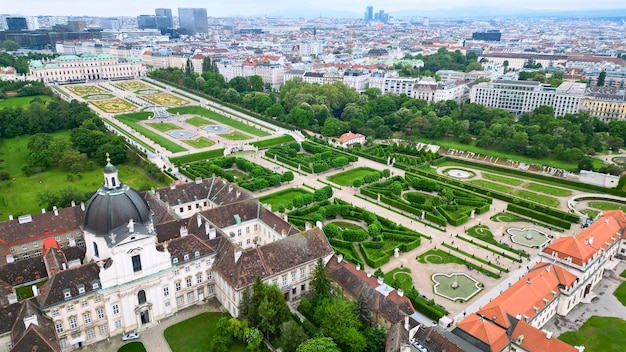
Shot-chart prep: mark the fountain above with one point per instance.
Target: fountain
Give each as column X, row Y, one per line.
column 455, row 283
column 216, row 128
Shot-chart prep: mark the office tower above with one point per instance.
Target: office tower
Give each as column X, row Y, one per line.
column 164, row 18
column 492, row 35
column 193, row 20
column 110, row 23
column 146, row 22
column 17, row 23
column 369, row 13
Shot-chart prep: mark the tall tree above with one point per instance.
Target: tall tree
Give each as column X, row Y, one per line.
column 362, row 311
column 320, row 283
column 320, row 344
column 601, row 78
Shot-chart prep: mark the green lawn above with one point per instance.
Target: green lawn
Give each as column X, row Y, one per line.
column 507, row 217
column 607, row 205
column 537, row 198
column 599, row 334
column 133, row 119
column 199, row 142
column 623, row 274
column 196, row 110
column 273, row 141
column 194, row 334
column 26, row 291
column 198, row 121
column 164, row 127
column 590, row 213
column 491, row 185
column 283, row 197
column 438, row 256
column 620, row 293
column 402, row 275
column 235, row 136
column 21, row 101
column 134, row 346
column 553, row 191
column 19, row 197
column 347, row 225
column 347, row 178
column 190, row 158
column 502, row 179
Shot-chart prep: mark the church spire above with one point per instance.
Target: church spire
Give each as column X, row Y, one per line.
column 111, row 180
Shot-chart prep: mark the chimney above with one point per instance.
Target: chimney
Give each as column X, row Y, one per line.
column 400, row 292
column 56, row 210
column 10, row 217
column 237, row 194
column 82, row 206
column 63, row 266
column 406, row 322
column 172, row 185
column 198, row 180
column 237, row 254
column 358, row 267
column 339, row 258
column 548, row 335
column 212, row 232
column 183, row 231
column 30, row 320
column 369, row 274
column 606, row 220
column 73, row 203
column 580, row 348
column 35, row 290
column 379, row 280
column 590, row 240
column 43, row 210
column 518, row 317
column 199, row 220
column 230, row 188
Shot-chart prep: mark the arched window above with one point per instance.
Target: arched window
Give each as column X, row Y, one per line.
column 141, row 297
column 95, row 250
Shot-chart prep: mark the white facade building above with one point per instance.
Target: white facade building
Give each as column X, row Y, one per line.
column 72, row 68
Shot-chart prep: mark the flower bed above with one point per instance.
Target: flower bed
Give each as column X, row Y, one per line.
column 114, row 106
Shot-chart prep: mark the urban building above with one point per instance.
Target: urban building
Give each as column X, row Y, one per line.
column 164, row 19
column 519, row 97
column 492, row 35
column 110, row 23
column 72, row 68
column 369, row 13
column 17, row 23
column 605, row 103
column 193, row 21
column 347, row 139
column 146, row 22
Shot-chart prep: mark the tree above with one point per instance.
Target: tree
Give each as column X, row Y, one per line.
column 601, row 79
column 337, row 319
column 188, row 67
column 362, row 311
column 320, row 344
column 320, row 283
column 267, row 313
column 9, row 45
column 287, row 176
column 291, row 336
column 586, row 163
column 376, row 339
column 223, row 338
column 253, row 338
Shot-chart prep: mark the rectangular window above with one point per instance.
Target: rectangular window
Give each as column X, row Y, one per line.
column 238, row 232
column 118, row 324
column 59, row 327
column 70, row 307
column 98, row 298
column 177, row 285
column 84, row 303
column 73, row 323
column 301, row 273
column 248, row 241
column 293, row 276
column 103, row 330
column 87, row 318
column 179, row 300
column 176, row 272
column 198, row 265
column 209, row 275
column 284, row 280
column 188, row 281
column 211, row 289
column 100, row 313
column 190, row 296
column 90, row 334
column 166, row 291
column 136, row 263
column 187, row 268
column 199, row 278
column 55, row 312
column 247, row 229
column 256, row 227
column 116, row 309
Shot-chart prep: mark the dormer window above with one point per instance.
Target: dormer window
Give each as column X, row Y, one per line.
column 186, row 256
column 66, row 293
column 175, row 260
column 81, row 289
column 95, row 286
column 196, row 253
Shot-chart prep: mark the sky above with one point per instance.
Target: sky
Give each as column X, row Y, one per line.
column 223, row 8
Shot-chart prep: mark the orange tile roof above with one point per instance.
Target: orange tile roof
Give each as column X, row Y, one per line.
column 527, row 293
column 592, row 240
column 486, row 331
column 536, row 340
column 348, row 137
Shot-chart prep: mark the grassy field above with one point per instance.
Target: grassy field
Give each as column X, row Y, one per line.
column 623, row 273
column 133, row 119
column 194, row 334
column 283, row 197
column 491, row 185
column 196, row 110
column 21, row 101
column 199, row 142
column 19, row 196
column 164, row 126
column 273, row 141
column 590, row 213
column 553, row 191
column 235, row 136
column 402, row 275
column 607, row 205
column 347, row 178
column 190, row 158
column 438, row 256
column 599, row 334
column 507, row 217
column 620, row 293
column 502, row 179
column 537, row 198
column 134, row 346
column 198, row 121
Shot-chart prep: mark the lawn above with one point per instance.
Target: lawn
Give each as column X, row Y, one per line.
column 590, row 213
column 283, row 197
column 620, row 293
column 194, row 334
column 347, row 225
column 198, row 121
column 607, row 205
column 502, row 179
column 134, row 346
column 199, row 142
column 599, row 334
column 402, row 275
column 24, row 292
column 163, row 127
column 190, row 158
column 21, row 101
column 196, row 110
column 235, row 136
column 286, row 138
column 19, row 197
column 623, row 274
column 114, row 106
column 438, row 256
column 537, row 198
column 553, row 191
column 507, row 217
column 347, row 178
column 491, row 185
column 132, row 120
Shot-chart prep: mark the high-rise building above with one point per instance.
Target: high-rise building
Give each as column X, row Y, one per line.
column 110, row 23
column 492, row 35
column 17, row 23
column 369, row 13
column 193, row 21
column 146, row 22
column 164, row 19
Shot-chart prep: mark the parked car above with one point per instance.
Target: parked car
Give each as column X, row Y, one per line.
column 130, row 336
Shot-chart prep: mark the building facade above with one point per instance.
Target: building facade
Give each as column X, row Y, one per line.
column 193, row 21
column 72, row 68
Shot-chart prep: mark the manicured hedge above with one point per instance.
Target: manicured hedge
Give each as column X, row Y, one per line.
column 382, row 257
column 543, row 217
column 350, row 253
column 425, row 307
column 190, row 158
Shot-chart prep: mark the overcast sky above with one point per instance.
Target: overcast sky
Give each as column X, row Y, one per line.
column 218, row 8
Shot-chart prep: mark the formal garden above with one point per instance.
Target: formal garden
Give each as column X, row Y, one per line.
column 457, row 287
column 132, row 85
column 165, row 99
column 200, row 142
column 357, row 177
column 101, row 96
column 196, row 334
column 247, row 127
column 309, row 157
column 82, row 90
column 243, row 172
column 114, row 106
column 133, row 121
column 288, row 199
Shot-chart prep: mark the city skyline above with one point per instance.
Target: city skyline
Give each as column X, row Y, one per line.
column 102, row 8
